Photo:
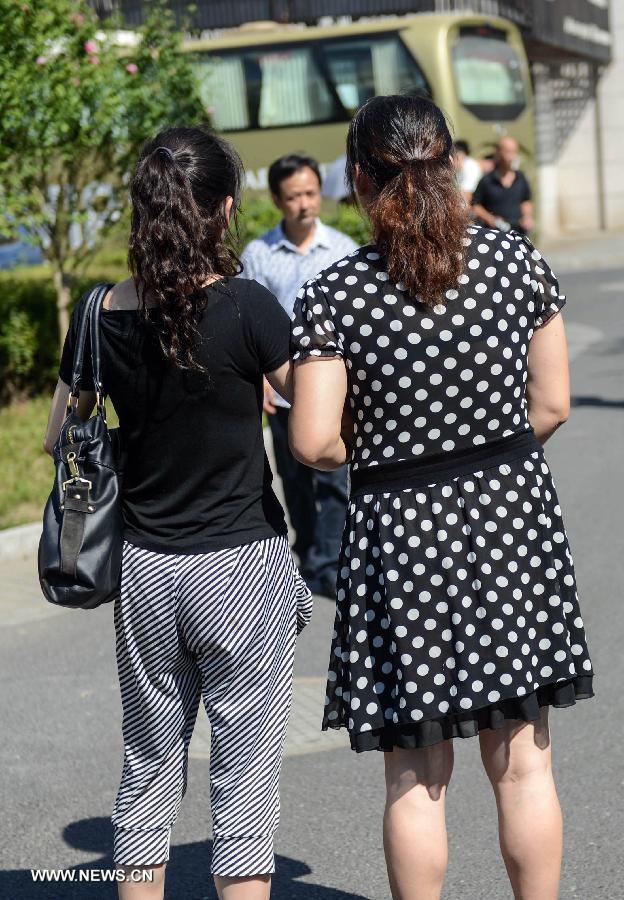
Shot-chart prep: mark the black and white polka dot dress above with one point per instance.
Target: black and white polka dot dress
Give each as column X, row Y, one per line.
column 456, row 597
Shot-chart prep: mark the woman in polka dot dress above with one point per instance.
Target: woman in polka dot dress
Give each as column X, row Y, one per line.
column 457, row 613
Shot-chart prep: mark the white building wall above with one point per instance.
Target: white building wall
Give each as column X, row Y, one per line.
column 611, row 97
column 577, row 175
column 570, row 140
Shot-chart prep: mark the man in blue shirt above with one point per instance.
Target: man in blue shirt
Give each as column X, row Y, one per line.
column 282, row 260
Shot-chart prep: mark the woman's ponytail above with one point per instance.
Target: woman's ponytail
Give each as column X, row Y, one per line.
column 177, row 242
column 418, row 217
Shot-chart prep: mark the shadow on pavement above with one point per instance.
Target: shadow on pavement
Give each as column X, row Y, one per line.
column 188, row 873
column 602, row 402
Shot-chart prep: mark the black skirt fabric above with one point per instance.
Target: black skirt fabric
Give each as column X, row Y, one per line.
column 456, row 610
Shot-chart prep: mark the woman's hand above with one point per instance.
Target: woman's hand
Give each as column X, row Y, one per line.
column 278, row 382
column 268, row 398
column 58, row 412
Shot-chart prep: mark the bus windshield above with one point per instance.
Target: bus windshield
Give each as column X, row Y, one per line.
column 488, row 75
column 304, row 83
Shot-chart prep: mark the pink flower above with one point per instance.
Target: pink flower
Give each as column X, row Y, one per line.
column 211, row 110
column 78, row 18
column 132, row 68
column 94, row 60
column 76, row 82
column 41, row 60
column 90, row 47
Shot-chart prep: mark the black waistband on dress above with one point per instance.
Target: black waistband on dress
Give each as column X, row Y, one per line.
column 410, row 473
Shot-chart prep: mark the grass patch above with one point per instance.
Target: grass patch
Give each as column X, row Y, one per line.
column 27, row 470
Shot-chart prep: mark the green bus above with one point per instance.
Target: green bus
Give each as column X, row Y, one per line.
column 273, row 89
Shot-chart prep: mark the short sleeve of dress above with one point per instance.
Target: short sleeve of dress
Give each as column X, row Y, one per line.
column 313, row 332
column 69, row 348
column 547, row 294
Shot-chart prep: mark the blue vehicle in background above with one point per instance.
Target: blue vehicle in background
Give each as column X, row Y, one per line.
column 18, row 253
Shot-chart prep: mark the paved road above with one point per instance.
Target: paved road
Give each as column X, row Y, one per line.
column 60, row 710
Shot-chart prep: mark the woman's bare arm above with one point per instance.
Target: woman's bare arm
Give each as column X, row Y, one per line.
column 548, row 384
column 280, row 380
column 58, row 411
column 315, row 423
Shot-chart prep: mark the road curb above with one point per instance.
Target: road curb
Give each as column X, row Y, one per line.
column 19, row 542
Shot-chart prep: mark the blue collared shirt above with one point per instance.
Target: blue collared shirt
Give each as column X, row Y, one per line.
column 281, row 267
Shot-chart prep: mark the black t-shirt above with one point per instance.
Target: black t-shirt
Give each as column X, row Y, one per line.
column 502, row 201
column 197, row 478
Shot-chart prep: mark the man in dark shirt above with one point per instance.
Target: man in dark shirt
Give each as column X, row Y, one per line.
column 502, row 199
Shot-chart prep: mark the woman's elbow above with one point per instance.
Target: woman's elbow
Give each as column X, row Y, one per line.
column 314, row 452
column 559, row 412
column 547, row 419
column 564, row 414
column 308, row 454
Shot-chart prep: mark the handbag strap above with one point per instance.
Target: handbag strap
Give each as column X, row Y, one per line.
column 86, row 325
column 96, row 342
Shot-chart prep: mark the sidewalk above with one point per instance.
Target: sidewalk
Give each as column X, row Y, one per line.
column 585, row 251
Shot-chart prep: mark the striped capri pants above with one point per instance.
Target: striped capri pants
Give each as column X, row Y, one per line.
column 220, row 627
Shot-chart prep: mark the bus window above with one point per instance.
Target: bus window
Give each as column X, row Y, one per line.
column 488, row 75
column 364, row 67
column 266, row 88
column 293, row 91
column 222, row 90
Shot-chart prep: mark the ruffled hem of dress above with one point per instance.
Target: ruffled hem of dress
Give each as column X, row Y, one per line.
column 426, row 733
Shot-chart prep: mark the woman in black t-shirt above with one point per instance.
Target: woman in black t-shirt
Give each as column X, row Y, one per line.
column 211, row 600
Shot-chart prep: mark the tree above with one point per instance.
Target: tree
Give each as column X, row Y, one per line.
column 76, row 104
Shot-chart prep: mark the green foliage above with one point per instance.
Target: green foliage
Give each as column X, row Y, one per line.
column 258, row 214
column 18, row 345
column 76, row 108
column 27, row 471
column 28, row 342
column 28, row 318
column 351, row 221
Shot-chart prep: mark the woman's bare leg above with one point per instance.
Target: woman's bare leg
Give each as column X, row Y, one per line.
column 255, row 888
column 414, row 823
column 517, row 760
column 143, row 890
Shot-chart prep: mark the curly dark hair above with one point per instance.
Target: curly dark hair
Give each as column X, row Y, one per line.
column 178, row 234
column 402, row 144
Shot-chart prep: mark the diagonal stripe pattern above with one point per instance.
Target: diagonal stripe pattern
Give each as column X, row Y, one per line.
column 220, row 627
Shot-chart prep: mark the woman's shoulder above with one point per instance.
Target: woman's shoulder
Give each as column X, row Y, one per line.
column 344, row 270
column 251, row 293
column 483, row 240
column 121, row 296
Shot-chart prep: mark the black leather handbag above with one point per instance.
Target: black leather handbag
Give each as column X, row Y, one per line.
column 81, row 544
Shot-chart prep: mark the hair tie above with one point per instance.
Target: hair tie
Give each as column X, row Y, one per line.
column 166, row 151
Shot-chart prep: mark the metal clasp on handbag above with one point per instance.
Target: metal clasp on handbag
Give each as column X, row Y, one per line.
column 75, row 479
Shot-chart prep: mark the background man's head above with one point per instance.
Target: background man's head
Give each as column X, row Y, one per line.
column 295, row 184
column 461, row 150
column 507, row 150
